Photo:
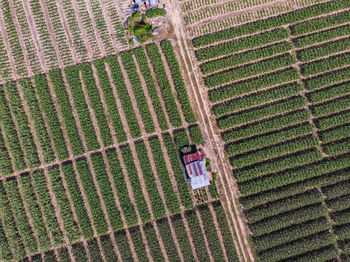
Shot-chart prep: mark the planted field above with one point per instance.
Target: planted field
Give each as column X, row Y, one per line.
column 38, row 36
column 90, row 169
column 278, row 88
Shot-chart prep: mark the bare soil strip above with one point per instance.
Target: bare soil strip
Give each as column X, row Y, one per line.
column 158, row 90
column 63, row 19
column 7, row 45
column 93, row 23
column 107, row 164
column 34, row 34
column 122, row 164
column 82, row 29
column 52, row 34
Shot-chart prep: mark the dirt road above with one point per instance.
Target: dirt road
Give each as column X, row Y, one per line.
column 214, row 145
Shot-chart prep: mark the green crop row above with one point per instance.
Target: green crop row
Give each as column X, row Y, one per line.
column 265, row 197
column 242, row 58
column 182, row 238
column 322, row 36
column 77, row 200
column 124, row 97
column 29, row 198
column 19, row 213
column 153, row 243
column 264, row 154
column 336, row 120
column 321, row 23
column 152, row 90
column 211, row 233
column 50, row 113
column 75, row 86
column 139, row 245
column 337, row 190
column 328, row 64
column 163, row 81
column 121, row 188
column 283, row 205
column 136, row 86
column 179, row 174
column 283, row 19
column 108, row 249
column 63, row 255
column 236, row 89
column 92, row 196
column 178, row 80
column 5, row 161
column 181, row 138
column 342, row 231
column 106, row 192
column 341, row 217
column 225, row 231
column 13, row 38
column 152, row 190
column 266, row 126
column 242, row 44
column 197, row 235
column 298, row 247
column 44, row 199
column 123, row 245
column 96, row 104
column 249, row 70
column 66, row 111
column 94, row 251
column 196, row 135
column 5, row 252
column 292, row 176
column 324, row 50
column 269, row 139
column 262, row 112
column 331, row 107
column 10, row 228
column 335, row 134
column 11, row 136
column 328, row 79
column 164, row 176
column 70, row 225
column 329, row 93
column 337, row 148
column 258, row 98
column 290, row 234
column 37, row 119
column 79, row 252
column 21, row 120
column 274, row 166
column 338, row 204
column 169, row 244
column 110, row 100
column 287, row 219
column 134, row 179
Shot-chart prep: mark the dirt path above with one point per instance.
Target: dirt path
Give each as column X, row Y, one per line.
column 225, row 176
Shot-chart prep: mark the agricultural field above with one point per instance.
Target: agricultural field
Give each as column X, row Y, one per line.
column 90, row 170
column 40, row 35
column 278, row 89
